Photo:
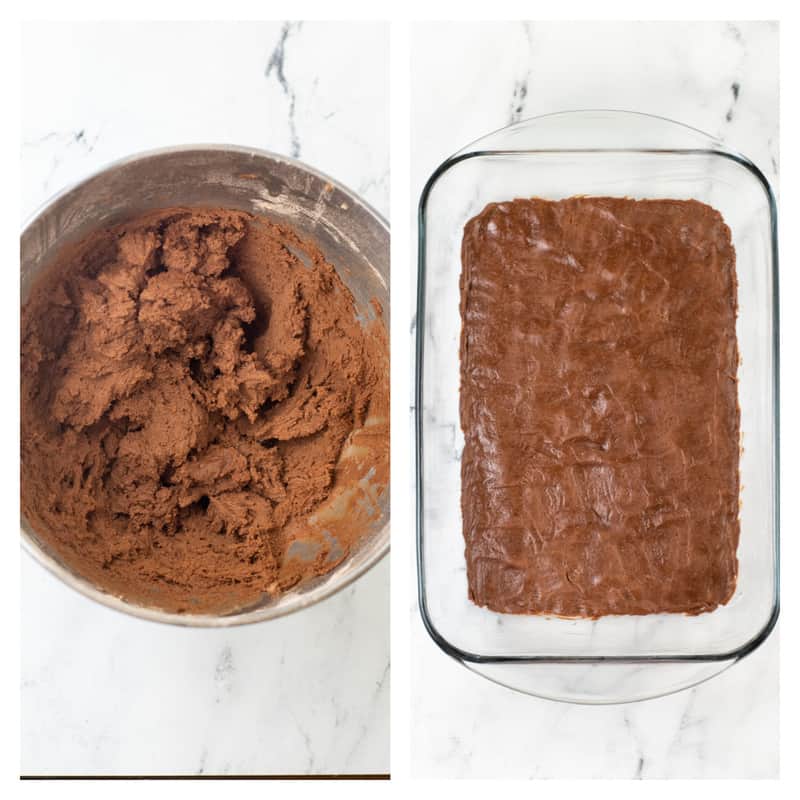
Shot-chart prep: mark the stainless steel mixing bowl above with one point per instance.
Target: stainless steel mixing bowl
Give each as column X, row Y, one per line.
column 353, row 237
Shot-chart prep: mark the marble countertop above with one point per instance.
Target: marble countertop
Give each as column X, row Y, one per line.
column 106, row 694
column 468, row 80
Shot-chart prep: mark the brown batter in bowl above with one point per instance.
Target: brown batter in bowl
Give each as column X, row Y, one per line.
column 204, row 411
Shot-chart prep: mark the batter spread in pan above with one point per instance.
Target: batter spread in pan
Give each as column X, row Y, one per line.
column 190, row 380
column 600, row 471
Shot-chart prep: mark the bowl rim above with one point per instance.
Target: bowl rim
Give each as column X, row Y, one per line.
column 473, row 150
column 151, row 613
column 167, row 150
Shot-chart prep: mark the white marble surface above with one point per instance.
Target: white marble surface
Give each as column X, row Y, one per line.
column 106, row 694
column 468, row 80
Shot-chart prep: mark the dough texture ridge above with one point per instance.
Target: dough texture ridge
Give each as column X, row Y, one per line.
column 190, row 381
column 600, row 471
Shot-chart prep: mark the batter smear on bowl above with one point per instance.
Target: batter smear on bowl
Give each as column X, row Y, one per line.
column 600, row 471
column 191, row 383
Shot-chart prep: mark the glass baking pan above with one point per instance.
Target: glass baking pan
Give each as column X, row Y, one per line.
column 606, row 153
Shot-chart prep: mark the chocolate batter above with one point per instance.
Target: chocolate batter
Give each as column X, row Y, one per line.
column 599, row 407
column 189, row 382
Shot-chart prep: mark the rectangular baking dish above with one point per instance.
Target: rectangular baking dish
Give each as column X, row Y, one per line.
column 609, row 154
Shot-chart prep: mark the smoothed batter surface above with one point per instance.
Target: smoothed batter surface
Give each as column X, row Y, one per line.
column 600, row 472
column 189, row 382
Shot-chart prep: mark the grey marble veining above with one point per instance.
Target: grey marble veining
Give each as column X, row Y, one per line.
column 286, row 87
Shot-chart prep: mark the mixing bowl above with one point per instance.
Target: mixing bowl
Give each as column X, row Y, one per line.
column 352, row 236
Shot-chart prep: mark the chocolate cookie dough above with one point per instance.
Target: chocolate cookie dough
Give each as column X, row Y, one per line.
column 599, row 407
column 197, row 392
